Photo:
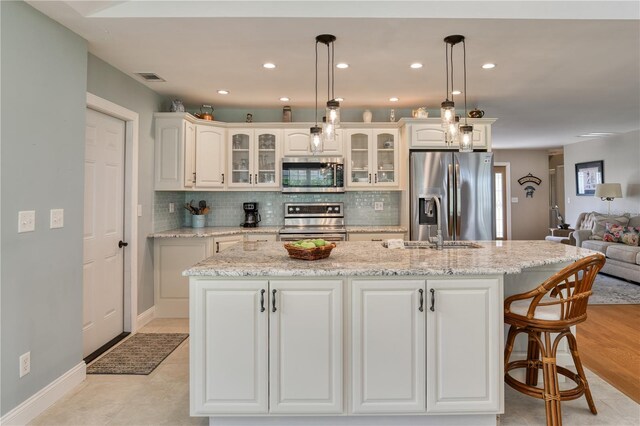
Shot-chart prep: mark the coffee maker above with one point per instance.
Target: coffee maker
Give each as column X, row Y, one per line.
column 251, row 215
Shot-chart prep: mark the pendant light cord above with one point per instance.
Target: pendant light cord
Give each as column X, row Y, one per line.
column 446, row 63
column 333, row 70
column 316, row 114
column 464, row 65
column 328, row 73
column 451, row 59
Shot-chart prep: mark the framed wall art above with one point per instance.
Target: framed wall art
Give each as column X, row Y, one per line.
column 588, row 175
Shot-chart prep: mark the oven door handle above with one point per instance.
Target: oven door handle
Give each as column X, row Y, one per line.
column 335, row 175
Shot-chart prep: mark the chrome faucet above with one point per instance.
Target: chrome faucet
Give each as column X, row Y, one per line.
column 438, row 238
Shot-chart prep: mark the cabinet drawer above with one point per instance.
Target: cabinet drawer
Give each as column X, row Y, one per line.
column 367, row 236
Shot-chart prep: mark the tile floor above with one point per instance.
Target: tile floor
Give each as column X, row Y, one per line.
column 162, row 398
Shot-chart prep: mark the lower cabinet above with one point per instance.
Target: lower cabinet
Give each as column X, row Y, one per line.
column 464, row 345
column 375, row 236
column 388, row 346
column 223, row 243
column 266, row 347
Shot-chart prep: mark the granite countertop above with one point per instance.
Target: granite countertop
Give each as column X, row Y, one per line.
column 351, row 258
column 214, row 231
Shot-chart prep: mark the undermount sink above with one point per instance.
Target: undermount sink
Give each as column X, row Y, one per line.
column 419, row 245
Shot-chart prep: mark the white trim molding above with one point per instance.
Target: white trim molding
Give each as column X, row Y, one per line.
column 45, row 397
column 507, row 165
column 131, row 120
column 146, row 317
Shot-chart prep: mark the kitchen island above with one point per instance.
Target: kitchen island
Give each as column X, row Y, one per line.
column 407, row 336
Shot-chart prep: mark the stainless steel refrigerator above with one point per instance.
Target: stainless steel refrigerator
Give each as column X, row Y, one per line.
column 464, row 186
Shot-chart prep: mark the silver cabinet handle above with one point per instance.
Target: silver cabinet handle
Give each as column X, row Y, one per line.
column 433, row 300
column 222, row 178
column 421, row 307
column 273, row 300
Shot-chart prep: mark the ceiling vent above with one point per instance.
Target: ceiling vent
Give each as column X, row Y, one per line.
column 151, row 77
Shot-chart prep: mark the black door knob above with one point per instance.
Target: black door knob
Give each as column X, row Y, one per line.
column 122, row 244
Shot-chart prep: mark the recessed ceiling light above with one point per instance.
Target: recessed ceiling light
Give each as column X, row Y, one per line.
column 284, row 99
column 416, row 65
column 456, row 92
column 340, row 99
column 596, row 134
column 223, row 92
column 488, row 66
column 342, row 65
column 394, row 99
column 269, row 65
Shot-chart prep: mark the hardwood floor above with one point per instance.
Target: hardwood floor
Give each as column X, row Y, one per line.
column 609, row 345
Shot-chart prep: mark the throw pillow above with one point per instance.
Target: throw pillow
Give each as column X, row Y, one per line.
column 601, row 220
column 630, row 236
column 613, row 232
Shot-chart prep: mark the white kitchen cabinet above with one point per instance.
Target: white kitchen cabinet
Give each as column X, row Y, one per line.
column 229, row 347
column 170, row 137
column 209, row 156
column 171, row 257
column 305, row 346
column 298, row 142
column 464, row 345
column 254, row 158
column 223, row 243
column 388, row 346
column 261, row 238
column 428, row 133
column 375, row 236
column 372, row 158
column 266, row 347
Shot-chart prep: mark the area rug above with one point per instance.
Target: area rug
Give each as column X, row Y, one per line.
column 608, row 290
column 140, row 354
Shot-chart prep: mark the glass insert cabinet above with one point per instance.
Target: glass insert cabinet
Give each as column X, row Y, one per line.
column 253, row 159
column 372, row 158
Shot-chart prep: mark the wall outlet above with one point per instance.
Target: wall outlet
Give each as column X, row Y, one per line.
column 27, row 221
column 139, row 210
column 56, row 218
column 25, row 364
column 378, row 205
column 568, row 200
column 172, row 207
column 514, row 200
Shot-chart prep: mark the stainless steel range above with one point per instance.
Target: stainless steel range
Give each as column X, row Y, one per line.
column 313, row 220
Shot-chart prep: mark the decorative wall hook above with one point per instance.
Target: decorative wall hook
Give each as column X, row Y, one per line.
column 529, row 178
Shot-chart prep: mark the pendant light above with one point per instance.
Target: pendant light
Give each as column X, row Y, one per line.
column 466, row 131
column 315, row 131
column 333, row 106
column 447, row 107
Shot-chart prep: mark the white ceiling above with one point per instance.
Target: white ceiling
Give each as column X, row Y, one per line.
column 563, row 68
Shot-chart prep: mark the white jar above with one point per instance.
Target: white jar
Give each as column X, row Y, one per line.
column 367, row 116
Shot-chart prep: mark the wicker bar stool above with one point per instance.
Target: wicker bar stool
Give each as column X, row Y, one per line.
column 557, row 304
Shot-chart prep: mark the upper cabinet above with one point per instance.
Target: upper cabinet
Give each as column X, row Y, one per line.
column 298, row 142
column 254, row 158
column 372, row 158
column 428, row 133
column 188, row 155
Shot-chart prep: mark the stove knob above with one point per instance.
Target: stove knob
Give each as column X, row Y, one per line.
column 290, row 209
column 329, row 209
column 336, row 209
column 297, row 209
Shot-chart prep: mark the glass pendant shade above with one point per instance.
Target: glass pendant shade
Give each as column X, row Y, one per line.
column 316, row 139
column 333, row 113
column 328, row 131
column 466, row 138
column 447, row 113
column 453, row 131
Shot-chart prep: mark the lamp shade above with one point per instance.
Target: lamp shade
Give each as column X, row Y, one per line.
column 608, row 190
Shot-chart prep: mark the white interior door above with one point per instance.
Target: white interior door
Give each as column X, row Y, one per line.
column 103, row 273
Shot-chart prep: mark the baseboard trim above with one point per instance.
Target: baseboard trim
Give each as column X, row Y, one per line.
column 45, row 397
column 146, row 317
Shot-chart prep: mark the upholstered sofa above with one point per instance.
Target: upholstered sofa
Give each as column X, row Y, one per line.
column 601, row 233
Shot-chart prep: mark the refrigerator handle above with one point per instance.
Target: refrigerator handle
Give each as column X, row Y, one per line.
column 458, row 198
column 450, row 200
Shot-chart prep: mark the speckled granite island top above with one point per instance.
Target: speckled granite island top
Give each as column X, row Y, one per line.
column 371, row 259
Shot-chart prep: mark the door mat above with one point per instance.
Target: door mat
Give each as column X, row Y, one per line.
column 140, row 354
column 608, row 290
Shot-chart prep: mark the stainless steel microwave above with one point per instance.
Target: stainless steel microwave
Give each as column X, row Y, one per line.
column 312, row 174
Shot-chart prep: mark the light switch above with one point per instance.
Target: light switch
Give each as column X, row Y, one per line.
column 172, row 207
column 56, row 218
column 514, row 199
column 139, row 210
column 27, row 221
column 568, row 200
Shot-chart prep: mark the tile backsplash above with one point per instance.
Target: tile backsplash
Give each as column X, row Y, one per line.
column 226, row 207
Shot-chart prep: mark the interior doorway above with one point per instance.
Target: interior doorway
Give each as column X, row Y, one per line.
column 502, row 176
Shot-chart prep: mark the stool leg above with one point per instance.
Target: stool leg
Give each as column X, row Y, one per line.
column 533, row 355
column 550, row 379
column 573, row 347
column 508, row 347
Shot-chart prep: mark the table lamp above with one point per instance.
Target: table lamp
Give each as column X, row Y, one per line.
column 608, row 191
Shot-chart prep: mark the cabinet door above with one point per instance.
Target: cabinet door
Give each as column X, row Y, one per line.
column 385, row 157
column 305, row 346
column 210, row 155
column 228, row 348
column 240, row 158
column 266, row 172
column 296, row 142
column 169, row 151
column 388, row 352
column 334, row 148
column 190, row 155
column 171, row 257
column 428, row 136
column 359, row 167
column 464, row 346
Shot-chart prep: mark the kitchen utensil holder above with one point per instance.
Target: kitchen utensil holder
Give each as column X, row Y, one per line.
column 198, row 220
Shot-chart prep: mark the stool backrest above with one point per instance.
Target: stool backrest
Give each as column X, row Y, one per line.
column 569, row 288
